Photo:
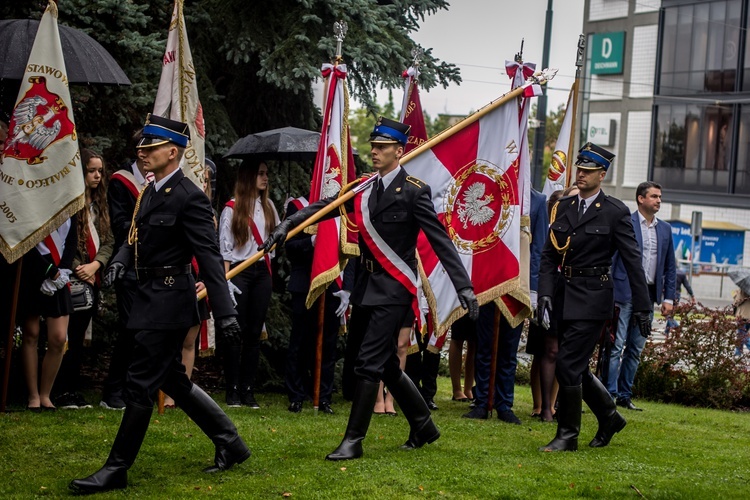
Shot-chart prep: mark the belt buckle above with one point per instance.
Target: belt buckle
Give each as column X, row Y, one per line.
column 169, row 280
column 370, row 265
column 568, row 272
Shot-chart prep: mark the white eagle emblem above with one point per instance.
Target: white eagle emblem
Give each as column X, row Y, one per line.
column 30, row 127
column 474, row 207
column 331, row 186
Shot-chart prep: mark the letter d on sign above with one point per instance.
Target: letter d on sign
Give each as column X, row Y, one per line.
column 606, row 48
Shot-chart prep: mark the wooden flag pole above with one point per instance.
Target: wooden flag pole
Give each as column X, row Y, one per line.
column 318, row 351
column 11, row 332
column 576, row 84
column 361, row 184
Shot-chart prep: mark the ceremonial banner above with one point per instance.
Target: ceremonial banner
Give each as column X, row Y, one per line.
column 473, row 174
column 177, row 97
column 558, row 173
column 411, row 110
column 334, row 168
column 41, row 184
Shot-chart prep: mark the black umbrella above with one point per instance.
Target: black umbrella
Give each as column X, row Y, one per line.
column 85, row 60
column 288, row 143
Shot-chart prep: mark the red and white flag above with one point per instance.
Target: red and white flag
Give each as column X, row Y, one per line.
column 177, row 97
column 558, row 173
column 411, row 110
column 334, row 168
column 473, row 174
column 41, row 184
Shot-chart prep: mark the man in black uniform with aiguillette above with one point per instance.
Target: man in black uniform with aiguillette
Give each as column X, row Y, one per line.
column 576, row 286
column 389, row 215
column 173, row 221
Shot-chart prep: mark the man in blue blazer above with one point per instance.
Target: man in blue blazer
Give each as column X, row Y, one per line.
column 657, row 256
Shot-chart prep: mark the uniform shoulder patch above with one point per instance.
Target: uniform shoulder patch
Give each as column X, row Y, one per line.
column 413, row 180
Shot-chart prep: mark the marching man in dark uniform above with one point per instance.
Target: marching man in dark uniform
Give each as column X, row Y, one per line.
column 389, row 216
column 575, row 284
column 172, row 222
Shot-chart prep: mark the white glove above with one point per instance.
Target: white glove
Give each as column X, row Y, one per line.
column 232, row 290
column 313, row 238
column 48, row 287
column 534, row 296
column 63, row 279
column 343, row 295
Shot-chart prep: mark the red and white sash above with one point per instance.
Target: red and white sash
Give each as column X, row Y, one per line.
column 256, row 235
column 54, row 244
column 128, row 179
column 391, row 262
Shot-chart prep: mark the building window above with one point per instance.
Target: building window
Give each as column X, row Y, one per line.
column 693, row 147
column 742, row 177
column 700, row 47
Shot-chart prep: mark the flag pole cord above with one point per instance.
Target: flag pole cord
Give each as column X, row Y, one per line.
column 541, row 79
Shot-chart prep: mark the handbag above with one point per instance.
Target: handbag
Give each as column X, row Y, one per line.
column 82, row 294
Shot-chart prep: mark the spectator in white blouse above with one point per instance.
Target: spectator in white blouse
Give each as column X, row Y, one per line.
column 246, row 221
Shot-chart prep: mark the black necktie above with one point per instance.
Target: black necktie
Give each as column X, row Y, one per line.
column 379, row 190
column 581, row 209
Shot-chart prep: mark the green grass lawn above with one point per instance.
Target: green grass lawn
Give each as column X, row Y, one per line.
column 666, row 451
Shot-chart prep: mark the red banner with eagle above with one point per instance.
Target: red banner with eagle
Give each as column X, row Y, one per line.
column 334, row 168
column 41, row 184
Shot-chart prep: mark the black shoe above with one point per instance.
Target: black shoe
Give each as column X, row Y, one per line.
column 233, row 398
column 248, row 399
column 325, row 407
column 477, row 412
column 71, row 401
column 295, row 406
column 627, row 403
column 431, row 404
column 508, row 416
column 112, row 403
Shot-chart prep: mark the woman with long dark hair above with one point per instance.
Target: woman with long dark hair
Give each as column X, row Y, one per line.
column 95, row 243
column 246, row 221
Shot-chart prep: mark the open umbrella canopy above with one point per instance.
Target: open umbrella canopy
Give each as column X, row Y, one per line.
column 86, row 61
column 288, row 143
column 741, row 278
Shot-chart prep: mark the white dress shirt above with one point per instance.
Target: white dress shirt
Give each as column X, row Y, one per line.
column 229, row 251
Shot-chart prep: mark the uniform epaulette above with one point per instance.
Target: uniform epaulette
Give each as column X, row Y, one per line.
column 413, row 180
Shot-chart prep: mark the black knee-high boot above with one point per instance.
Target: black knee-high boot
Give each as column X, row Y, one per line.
column 365, row 394
column 600, row 401
column 203, row 410
column 568, row 420
column 114, row 474
column 422, row 429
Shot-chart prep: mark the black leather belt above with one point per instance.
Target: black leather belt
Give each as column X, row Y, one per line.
column 370, row 264
column 145, row 273
column 571, row 272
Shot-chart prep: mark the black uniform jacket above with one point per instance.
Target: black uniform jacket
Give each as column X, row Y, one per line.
column 174, row 224
column 605, row 227
column 404, row 208
column 300, row 251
